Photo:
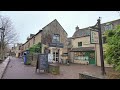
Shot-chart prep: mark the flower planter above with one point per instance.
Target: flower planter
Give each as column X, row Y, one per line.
column 54, row 69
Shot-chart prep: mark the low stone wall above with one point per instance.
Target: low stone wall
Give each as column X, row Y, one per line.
column 89, row 76
column 34, row 60
column 3, row 66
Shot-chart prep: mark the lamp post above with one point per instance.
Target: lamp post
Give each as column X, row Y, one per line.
column 98, row 27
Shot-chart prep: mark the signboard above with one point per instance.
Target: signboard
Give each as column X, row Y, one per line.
column 94, row 38
column 56, row 45
column 50, row 57
column 43, row 62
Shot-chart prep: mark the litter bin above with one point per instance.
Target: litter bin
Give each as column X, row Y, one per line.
column 25, row 58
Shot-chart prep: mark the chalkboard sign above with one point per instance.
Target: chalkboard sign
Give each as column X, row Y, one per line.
column 43, row 62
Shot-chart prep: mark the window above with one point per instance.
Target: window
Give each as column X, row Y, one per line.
column 103, row 39
column 56, row 38
column 79, row 44
column 80, row 56
column 108, row 27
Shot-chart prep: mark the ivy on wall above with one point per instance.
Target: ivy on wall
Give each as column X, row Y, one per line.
column 46, row 38
column 37, row 48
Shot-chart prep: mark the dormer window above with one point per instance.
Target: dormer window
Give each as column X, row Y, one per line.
column 108, row 26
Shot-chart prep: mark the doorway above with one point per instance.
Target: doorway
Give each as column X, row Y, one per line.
column 92, row 58
column 56, row 56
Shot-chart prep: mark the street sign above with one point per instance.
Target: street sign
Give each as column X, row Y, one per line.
column 94, row 38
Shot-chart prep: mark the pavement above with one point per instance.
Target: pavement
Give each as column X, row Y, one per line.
column 3, row 66
column 17, row 70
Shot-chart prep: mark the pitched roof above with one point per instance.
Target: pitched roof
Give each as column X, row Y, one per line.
column 43, row 28
column 86, row 31
column 83, row 49
column 57, row 22
column 81, row 32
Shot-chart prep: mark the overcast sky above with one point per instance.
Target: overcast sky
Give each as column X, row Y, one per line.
column 30, row 22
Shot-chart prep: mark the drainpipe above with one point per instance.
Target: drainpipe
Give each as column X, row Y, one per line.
column 95, row 54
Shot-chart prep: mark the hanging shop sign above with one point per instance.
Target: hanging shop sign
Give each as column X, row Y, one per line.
column 60, row 45
column 94, row 38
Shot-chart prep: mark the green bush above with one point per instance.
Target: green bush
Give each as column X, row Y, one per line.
column 112, row 51
column 37, row 48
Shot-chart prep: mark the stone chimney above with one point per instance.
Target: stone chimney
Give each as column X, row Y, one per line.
column 28, row 38
column 31, row 35
column 77, row 28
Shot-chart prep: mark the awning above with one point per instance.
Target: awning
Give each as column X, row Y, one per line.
column 82, row 49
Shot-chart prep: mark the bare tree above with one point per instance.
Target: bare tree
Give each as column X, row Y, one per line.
column 8, row 34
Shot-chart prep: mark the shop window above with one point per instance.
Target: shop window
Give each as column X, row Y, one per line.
column 79, row 44
column 80, row 56
column 92, row 55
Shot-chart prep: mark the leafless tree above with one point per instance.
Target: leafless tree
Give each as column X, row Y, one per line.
column 8, row 34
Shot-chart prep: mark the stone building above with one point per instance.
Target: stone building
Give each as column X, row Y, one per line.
column 52, row 37
column 82, row 51
column 16, row 50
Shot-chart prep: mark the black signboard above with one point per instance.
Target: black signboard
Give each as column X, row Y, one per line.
column 43, row 62
column 56, row 45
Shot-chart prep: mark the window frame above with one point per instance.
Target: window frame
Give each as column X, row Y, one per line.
column 79, row 44
column 108, row 26
column 56, row 38
column 104, row 39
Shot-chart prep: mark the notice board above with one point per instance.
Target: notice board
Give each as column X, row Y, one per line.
column 43, row 62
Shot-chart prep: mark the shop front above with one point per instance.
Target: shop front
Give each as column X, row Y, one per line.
column 55, row 50
column 84, row 56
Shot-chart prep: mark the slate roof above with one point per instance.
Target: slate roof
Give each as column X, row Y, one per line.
column 86, row 31
column 81, row 33
column 83, row 49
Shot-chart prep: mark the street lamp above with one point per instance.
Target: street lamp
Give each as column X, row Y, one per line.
column 98, row 27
